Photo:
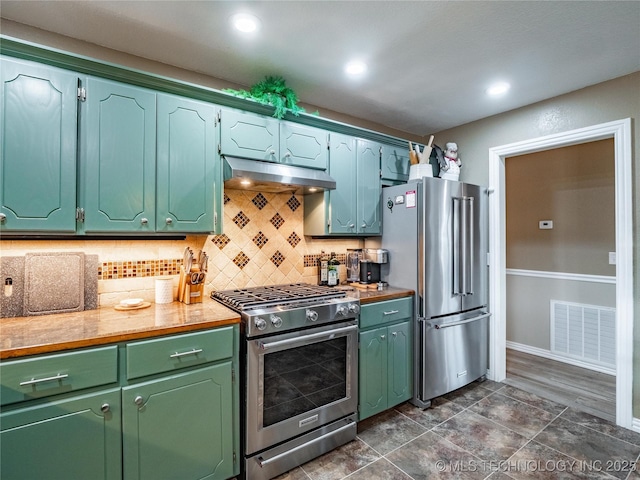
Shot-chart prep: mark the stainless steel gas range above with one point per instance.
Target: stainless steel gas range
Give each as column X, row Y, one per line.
column 300, row 367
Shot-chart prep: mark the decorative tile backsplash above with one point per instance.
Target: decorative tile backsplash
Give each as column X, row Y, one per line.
column 263, row 243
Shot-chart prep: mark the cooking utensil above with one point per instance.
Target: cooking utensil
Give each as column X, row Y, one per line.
column 413, row 158
column 426, row 152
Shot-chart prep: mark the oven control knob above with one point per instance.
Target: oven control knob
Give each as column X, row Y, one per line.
column 312, row 315
column 354, row 308
column 276, row 321
column 260, row 323
column 342, row 310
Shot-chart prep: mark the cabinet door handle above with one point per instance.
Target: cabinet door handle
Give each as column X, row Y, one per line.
column 394, row 334
column 169, row 221
column 105, row 408
column 35, row 381
column 182, row 354
column 287, row 155
column 144, row 221
column 391, row 312
column 272, row 152
column 138, row 400
column 382, row 337
column 3, row 217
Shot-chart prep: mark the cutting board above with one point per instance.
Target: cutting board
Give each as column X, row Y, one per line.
column 54, row 283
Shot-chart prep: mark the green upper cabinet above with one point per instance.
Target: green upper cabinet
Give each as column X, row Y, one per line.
column 303, row 146
column 369, row 188
column 118, row 154
column 189, row 174
column 394, row 163
column 38, row 129
column 249, row 135
column 342, row 200
column 256, row 137
column 353, row 208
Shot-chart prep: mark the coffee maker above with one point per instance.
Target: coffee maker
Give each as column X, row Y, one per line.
column 370, row 265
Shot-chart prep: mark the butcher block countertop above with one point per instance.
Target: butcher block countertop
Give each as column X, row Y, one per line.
column 22, row 336
column 372, row 295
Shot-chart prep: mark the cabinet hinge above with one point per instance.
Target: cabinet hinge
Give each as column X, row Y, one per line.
column 82, row 94
column 219, row 149
column 215, row 219
column 80, row 215
column 219, row 116
column 380, row 172
column 233, row 375
column 235, row 458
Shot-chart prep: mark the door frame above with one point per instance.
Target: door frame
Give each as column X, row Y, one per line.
column 620, row 131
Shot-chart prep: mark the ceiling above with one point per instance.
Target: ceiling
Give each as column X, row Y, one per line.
column 430, row 62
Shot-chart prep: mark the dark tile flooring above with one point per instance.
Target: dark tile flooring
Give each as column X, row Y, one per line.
column 484, row 430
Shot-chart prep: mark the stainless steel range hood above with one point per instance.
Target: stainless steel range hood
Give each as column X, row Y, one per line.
column 243, row 174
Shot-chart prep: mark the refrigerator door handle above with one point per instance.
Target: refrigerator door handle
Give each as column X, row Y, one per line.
column 457, row 257
column 439, row 326
column 469, row 239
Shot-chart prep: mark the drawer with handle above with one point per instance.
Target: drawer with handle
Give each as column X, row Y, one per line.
column 168, row 354
column 379, row 313
column 47, row 375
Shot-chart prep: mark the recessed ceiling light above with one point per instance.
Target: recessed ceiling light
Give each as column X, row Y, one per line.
column 355, row 68
column 245, row 23
column 498, row 89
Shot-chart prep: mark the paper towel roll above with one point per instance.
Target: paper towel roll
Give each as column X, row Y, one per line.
column 164, row 290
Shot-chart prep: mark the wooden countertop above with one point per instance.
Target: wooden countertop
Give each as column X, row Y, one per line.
column 22, row 336
column 372, row 295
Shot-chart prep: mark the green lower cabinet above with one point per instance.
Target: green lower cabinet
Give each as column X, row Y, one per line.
column 180, row 426
column 75, row 438
column 385, row 363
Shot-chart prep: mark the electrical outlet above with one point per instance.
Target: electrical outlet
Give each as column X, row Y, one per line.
column 545, row 224
column 612, row 258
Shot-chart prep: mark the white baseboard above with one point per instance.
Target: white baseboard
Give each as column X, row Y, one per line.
column 540, row 352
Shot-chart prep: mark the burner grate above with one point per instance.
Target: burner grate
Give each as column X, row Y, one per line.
column 274, row 295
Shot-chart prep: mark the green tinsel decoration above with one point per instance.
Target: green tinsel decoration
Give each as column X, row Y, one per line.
column 272, row 91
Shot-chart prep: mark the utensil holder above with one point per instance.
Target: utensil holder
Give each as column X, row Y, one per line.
column 188, row 292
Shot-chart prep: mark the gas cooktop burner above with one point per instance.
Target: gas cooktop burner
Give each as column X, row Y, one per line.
column 274, row 295
column 275, row 308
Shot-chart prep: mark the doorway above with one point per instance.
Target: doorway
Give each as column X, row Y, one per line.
column 620, row 131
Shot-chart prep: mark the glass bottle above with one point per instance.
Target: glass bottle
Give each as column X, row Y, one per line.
column 323, row 269
column 332, row 277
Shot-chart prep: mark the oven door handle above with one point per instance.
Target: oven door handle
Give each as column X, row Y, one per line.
column 314, row 336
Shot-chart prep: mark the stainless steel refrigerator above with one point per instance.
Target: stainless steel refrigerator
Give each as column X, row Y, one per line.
column 436, row 233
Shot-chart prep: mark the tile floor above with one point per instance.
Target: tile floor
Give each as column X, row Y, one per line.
column 484, row 430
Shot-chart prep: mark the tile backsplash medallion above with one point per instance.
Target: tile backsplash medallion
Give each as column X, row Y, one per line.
column 263, row 244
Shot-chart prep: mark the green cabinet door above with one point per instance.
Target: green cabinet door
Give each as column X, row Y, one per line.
column 394, row 163
column 38, row 128
column 180, row 426
column 75, row 438
column 118, row 145
column 249, row 135
column 342, row 200
column 189, row 189
column 369, row 188
column 303, row 146
column 399, row 364
column 372, row 380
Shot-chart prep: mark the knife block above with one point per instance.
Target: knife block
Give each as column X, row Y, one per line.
column 188, row 292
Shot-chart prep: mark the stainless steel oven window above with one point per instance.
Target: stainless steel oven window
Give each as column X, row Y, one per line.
column 299, row 381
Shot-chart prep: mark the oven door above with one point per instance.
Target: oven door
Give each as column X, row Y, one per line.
column 299, row 381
